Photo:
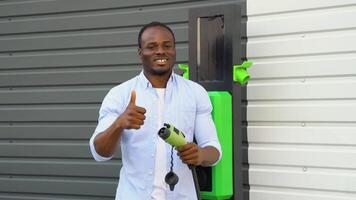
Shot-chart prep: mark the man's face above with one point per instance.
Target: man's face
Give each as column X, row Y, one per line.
column 157, row 52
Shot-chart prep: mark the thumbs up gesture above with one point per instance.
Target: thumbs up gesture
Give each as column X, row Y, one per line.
column 134, row 116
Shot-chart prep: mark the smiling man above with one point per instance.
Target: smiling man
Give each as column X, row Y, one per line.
column 132, row 113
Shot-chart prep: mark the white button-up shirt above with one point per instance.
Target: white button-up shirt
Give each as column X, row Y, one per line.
column 187, row 107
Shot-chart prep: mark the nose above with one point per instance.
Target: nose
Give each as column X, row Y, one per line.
column 160, row 50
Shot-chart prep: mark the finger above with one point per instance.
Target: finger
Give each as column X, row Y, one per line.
column 135, row 121
column 185, row 147
column 188, row 161
column 191, row 162
column 133, row 97
column 188, row 152
column 138, row 122
column 136, row 115
column 134, row 126
column 139, row 116
column 190, row 157
column 140, row 109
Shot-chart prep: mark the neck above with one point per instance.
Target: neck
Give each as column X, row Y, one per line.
column 158, row 81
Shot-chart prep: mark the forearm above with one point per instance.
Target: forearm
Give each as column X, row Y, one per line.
column 209, row 155
column 106, row 142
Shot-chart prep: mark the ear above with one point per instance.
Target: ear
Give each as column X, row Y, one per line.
column 139, row 52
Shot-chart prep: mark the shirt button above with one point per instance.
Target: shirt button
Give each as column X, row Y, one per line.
column 150, row 173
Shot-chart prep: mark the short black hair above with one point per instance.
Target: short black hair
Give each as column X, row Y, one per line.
column 153, row 24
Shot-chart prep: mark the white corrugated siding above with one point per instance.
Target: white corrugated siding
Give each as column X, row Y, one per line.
column 302, row 99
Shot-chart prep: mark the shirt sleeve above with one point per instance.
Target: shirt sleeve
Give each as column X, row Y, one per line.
column 108, row 113
column 205, row 130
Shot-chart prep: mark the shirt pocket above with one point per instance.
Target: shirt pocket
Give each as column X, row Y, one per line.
column 186, row 123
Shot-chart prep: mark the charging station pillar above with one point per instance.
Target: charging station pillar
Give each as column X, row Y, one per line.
column 214, row 47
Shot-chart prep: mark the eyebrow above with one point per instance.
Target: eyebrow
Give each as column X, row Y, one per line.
column 167, row 41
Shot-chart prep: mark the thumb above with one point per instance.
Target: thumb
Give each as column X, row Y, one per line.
column 133, row 97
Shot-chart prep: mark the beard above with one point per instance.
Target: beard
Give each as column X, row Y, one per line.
column 159, row 71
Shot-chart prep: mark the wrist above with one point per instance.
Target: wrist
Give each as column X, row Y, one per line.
column 209, row 156
column 201, row 156
column 118, row 124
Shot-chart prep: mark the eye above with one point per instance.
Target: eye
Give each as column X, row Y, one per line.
column 168, row 46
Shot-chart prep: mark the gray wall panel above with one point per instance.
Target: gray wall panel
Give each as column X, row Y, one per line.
column 44, row 150
column 50, row 7
column 58, row 59
column 54, row 132
column 58, row 96
column 57, row 186
column 50, row 113
column 60, row 168
column 108, row 19
column 99, row 58
column 82, row 39
column 85, row 21
column 67, row 78
column 29, row 196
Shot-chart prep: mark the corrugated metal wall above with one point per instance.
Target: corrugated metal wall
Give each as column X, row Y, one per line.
column 57, row 61
column 302, row 99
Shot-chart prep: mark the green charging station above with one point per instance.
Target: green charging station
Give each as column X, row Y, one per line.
column 221, row 174
column 216, row 63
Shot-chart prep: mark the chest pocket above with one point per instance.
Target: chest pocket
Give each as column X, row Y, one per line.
column 182, row 113
column 186, row 122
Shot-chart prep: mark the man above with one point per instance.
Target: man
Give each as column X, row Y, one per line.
column 132, row 113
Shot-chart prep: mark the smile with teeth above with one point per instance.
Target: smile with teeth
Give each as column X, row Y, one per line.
column 161, row 61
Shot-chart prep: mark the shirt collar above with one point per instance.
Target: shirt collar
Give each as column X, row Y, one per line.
column 146, row 83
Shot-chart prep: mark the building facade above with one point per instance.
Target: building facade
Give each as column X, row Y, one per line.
column 59, row 58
